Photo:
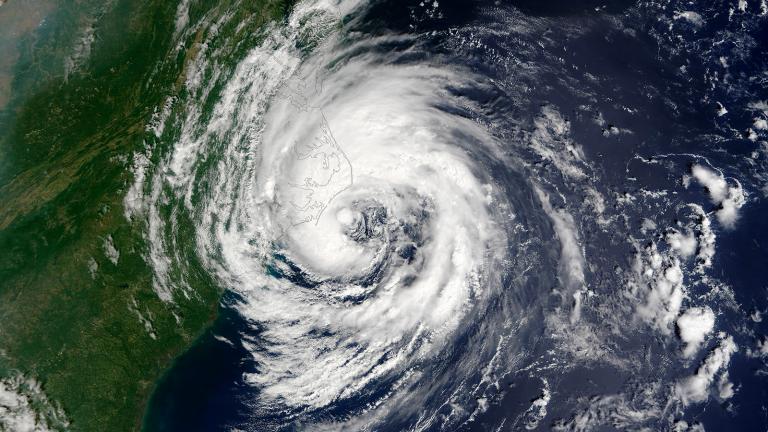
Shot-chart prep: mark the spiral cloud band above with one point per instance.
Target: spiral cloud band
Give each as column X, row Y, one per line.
column 405, row 234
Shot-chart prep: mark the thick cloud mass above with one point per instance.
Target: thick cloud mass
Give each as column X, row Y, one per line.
column 409, row 232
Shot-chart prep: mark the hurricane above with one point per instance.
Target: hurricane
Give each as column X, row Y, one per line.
column 413, row 235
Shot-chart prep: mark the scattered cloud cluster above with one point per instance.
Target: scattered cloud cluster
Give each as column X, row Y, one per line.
column 693, row 326
column 25, row 408
column 110, row 250
column 692, row 17
column 618, row 411
column 659, row 279
column 551, row 141
column 538, row 409
column 696, row 388
column 684, row 244
column 761, row 348
column 571, row 257
column 728, row 198
column 705, row 238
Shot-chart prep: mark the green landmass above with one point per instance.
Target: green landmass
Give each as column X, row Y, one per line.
column 76, row 95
